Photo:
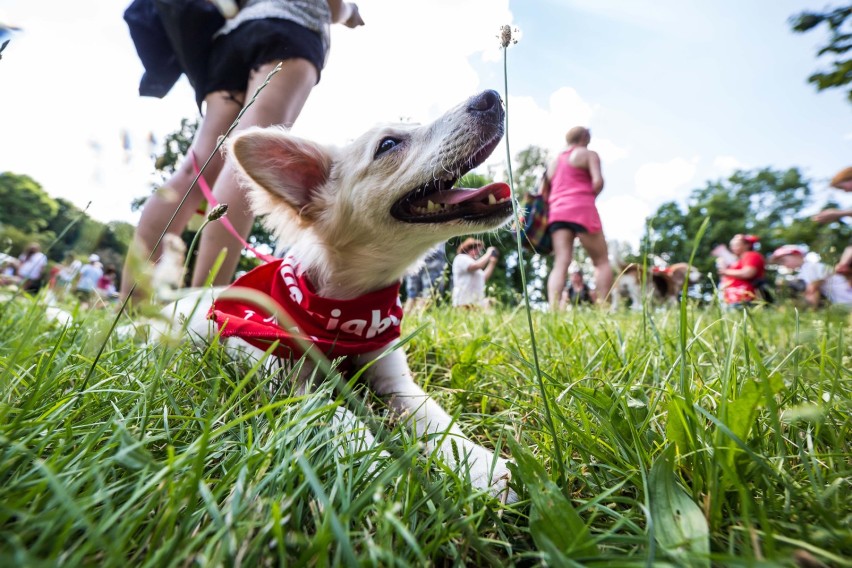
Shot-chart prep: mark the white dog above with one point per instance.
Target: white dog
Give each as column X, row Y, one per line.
column 362, row 216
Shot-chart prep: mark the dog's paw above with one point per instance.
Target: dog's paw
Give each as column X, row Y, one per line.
column 496, row 482
column 499, row 487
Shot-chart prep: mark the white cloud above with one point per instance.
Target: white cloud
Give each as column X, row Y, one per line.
column 727, row 164
column 658, row 181
column 389, row 70
column 623, row 217
column 533, row 125
column 608, row 150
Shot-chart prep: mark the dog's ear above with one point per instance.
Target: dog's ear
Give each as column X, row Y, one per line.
column 287, row 166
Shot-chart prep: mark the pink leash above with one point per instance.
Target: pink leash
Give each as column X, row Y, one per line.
column 208, row 195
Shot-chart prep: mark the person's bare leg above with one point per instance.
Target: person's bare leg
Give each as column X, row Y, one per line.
column 280, row 102
column 563, row 252
column 596, row 248
column 160, row 206
column 844, row 265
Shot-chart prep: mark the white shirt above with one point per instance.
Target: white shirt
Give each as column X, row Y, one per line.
column 835, row 287
column 838, row 290
column 468, row 286
column 68, row 273
column 31, row 268
column 812, row 271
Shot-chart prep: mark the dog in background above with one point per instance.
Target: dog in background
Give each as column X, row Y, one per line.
column 362, row 216
column 663, row 283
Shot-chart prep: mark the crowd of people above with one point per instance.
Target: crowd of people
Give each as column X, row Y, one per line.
column 27, row 270
column 90, row 283
column 743, row 274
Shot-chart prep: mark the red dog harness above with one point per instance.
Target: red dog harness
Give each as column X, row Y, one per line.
column 337, row 327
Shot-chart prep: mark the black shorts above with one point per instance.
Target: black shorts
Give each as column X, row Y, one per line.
column 576, row 227
column 257, row 42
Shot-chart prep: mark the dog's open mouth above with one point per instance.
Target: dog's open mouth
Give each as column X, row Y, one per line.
column 438, row 201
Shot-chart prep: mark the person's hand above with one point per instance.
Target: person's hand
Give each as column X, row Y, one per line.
column 829, row 216
column 491, row 252
column 354, row 20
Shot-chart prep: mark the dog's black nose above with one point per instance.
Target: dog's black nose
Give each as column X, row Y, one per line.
column 486, row 101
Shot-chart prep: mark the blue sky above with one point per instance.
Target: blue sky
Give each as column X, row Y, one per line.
column 676, row 92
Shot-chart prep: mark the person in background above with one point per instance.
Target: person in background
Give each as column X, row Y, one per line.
column 575, row 181
column 244, row 51
column 106, row 288
column 471, row 270
column 87, row 282
column 844, row 265
column 29, row 272
column 427, row 283
column 742, row 279
column 577, row 292
column 66, row 275
column 842, row 181
column 819, row 282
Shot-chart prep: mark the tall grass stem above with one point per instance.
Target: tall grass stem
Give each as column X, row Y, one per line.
column 540, row 378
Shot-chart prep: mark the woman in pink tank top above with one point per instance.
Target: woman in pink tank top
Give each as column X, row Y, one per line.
column 575, row 181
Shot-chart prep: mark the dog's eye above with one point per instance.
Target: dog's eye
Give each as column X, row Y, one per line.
column 385, row 145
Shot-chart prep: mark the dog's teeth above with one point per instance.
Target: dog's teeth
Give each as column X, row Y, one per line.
column 431, row 206
column 491, row 199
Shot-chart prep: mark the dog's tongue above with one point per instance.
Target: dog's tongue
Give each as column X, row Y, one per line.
column 461, row 194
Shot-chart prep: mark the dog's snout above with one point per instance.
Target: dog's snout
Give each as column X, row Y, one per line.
column 486, row 102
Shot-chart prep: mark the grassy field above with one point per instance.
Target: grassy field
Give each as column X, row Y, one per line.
column 679, row 438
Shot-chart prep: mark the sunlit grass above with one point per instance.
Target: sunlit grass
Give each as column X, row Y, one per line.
column 173, row 455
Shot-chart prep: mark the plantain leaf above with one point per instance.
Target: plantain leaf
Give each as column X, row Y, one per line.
column 679, row 525
column 742, row 412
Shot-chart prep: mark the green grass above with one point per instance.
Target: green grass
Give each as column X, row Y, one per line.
column 724, row 441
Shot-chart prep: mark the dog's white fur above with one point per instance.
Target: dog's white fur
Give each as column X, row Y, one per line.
column 334, row 205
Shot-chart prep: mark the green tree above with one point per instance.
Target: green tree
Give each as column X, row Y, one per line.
column 839, row 73
column 13, row 240
column 26, row 206
column 64, row 229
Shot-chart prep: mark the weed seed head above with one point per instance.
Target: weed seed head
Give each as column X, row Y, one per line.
column 506, row 35
column 217, row 212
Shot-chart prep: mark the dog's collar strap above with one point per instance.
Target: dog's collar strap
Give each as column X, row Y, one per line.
column 274, row 302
